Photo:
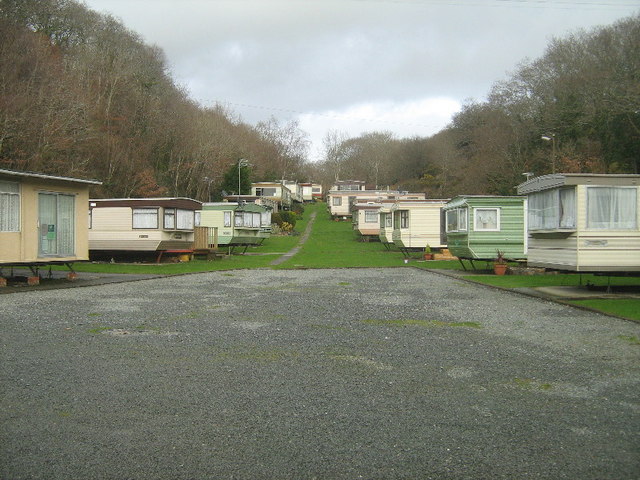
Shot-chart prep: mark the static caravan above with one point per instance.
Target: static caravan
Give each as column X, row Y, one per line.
column 160, row 225
column 386, row 224
column 43, row 219
column 366, row 220
column 418, row 223
column 275, row 191
column 311, row 192
column 340, row 202
column 583, row 222
column 477, row 226
column 241, row 224
column 348, row 185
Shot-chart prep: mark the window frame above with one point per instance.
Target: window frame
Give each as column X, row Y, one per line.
column 633, row 205
column 476, row 228
column 368, row 214
column 12, row 199
column 138, row 210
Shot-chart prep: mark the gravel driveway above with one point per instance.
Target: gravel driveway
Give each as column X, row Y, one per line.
column 328, row 374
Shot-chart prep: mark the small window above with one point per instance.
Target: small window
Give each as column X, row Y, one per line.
column 337, row 201
column 404, row 218
column 184, row 219
column 9, row 206
column 457, row 220
column 370, row 216
column 145, row 218
column 486, row 219
column 227, row 219
column 197, row 218
column 169, row 218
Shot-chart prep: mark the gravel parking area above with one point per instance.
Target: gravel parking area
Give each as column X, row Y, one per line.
column 327, row 374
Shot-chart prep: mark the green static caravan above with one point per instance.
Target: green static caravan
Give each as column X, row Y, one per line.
column 240, row 224
column 418, row 223
column 478, row 226
column 584, row 222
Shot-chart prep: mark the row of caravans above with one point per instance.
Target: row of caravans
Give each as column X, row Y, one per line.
column 573, row 222
column 44, row 221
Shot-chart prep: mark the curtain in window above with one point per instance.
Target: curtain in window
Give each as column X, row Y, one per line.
column 227, row 219
column 486, row 218
column 567, row 208
column 9, row 206
column 265, row 218
column 238, row 219
column 543, row 210
column 612, row 208
column 145, row 218
column 169, row 218
column 66, row 224
column 462, row 219
column 370, row 217
column 184, row 220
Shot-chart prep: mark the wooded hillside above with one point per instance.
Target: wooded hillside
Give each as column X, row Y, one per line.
column 83, row 96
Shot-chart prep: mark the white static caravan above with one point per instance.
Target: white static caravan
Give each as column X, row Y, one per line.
column 366, row 220
column 141, row 224
column 583, row 222
column 340, row 202
column 311, row 192
column 274, row 191
column 418, row 223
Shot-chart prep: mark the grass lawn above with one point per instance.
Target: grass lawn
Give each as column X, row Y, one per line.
column 621, row 307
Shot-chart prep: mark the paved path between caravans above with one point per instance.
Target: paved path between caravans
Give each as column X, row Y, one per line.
column 330, row 374
column 296, row 249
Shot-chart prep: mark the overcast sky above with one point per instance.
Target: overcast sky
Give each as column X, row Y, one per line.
column 353, row 66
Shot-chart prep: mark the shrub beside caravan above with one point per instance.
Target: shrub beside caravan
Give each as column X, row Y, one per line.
column 478, row 226
column 583, row 222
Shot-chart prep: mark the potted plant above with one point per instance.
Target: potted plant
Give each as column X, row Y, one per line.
column 427, row 253
column 500, row 264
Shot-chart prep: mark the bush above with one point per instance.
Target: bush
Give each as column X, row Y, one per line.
column 288, row 217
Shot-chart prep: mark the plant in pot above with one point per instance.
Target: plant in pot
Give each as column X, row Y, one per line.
column 427, row 253
column 500, row 264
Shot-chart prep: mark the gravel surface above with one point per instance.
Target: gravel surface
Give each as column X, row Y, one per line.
column 328, row 374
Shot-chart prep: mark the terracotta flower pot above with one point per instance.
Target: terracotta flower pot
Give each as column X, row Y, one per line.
column 500, row 268
column 428, row 256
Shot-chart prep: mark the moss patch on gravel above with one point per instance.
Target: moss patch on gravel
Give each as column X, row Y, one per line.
column 421, row 323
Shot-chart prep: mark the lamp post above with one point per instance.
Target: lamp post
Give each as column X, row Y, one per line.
column 551, row 138
column 241, row 163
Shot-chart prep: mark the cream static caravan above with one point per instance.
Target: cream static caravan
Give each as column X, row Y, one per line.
column 141, row 224
column 418, row 223
column 583, row 222
column 43, row 218
column 340, row 202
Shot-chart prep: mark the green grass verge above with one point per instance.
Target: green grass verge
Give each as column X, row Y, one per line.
column 561, row 279
column 621, row 307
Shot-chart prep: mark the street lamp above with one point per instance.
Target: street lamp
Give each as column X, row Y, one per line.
column 241, row 163
column 551, row 138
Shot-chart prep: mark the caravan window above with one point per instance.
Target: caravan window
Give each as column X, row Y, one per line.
column 169, row 218
column 486, row 219
column 9, row 206
column 146, row 218
column 370, row 216
column 552, row 209
column 337, row 201
column 184, row 219
column 404, row 218
column 227, row 219
column 457, row 220
column 612, row 208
